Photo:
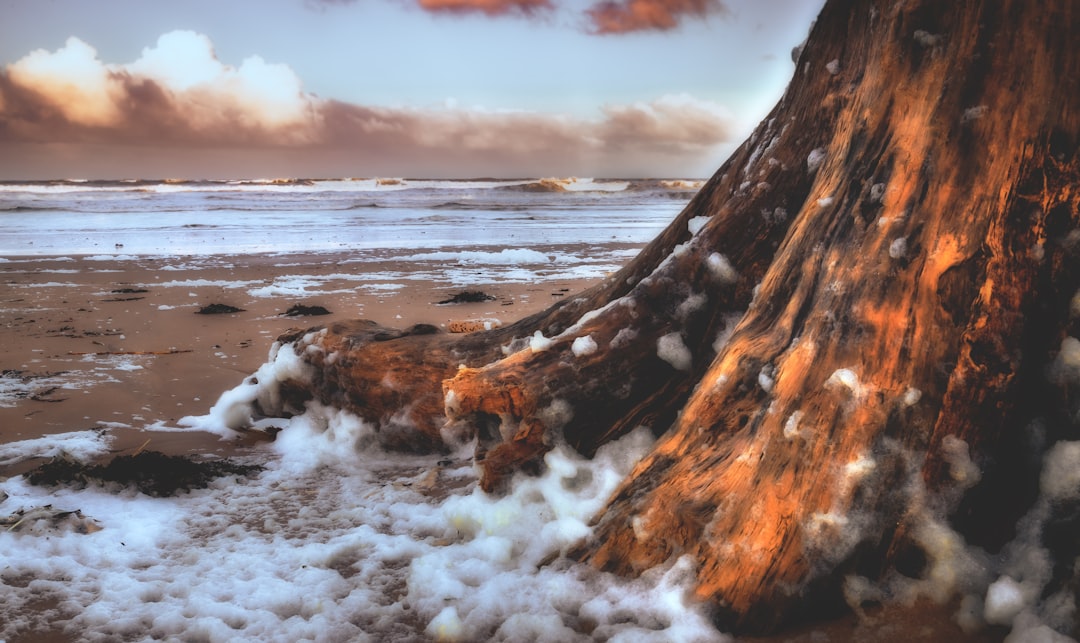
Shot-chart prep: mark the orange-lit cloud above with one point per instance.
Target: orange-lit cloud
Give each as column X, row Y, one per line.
column 177, row 87
column 489, row 7
column 604, row 17
column 179, row 97
column 623, row 16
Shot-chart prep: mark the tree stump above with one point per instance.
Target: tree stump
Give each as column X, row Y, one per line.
column 854, row 318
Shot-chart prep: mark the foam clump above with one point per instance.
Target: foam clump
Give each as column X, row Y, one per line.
column 446, row 626
column 1005, row 598
column 911, row 397
column 1066, row 366
column 695, row 224
column 322, row 436
column 495, row 578
column 583, row 346
column 791, row 425
column 539, row 343
column 76, row 445
column 1060, row 479
column 961, row 468
column 505, row 257
column 845, row 378
column 721, row 268
column 234, row 410
column 814, row 159
column 898, row 248
column 672, row 350
column 329, row 543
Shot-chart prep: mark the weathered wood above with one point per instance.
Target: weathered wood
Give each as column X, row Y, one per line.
column 926, row 274
column 869, row 290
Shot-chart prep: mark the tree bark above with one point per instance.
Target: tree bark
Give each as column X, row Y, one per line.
column 874, row 284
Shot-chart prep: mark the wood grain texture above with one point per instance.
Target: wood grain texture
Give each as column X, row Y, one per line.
column 882, row 272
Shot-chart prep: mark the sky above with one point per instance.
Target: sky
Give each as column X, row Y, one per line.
column 116, row 89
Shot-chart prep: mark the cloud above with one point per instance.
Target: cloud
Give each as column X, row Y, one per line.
column 72, row 81
column 674, row 132
column 623, row 16
column 676, row 123
column 489, row 7
column 177, row 87
column 605, row 17
column 179, row 95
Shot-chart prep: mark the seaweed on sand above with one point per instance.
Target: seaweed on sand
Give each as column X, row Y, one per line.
column 301, row 310
column 468, row 296
column 218, row 309
column 151, row 472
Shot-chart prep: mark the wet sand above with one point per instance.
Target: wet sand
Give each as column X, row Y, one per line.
column 118, row 344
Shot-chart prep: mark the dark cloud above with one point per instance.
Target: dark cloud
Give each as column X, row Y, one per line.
column 488, row 7
column 147, row 108
column 623, row 16
column 605, row 17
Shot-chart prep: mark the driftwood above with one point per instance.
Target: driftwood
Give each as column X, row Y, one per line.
column 870, row 292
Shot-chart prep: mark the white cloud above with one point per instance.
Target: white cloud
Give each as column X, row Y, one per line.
column 179, row 96
column 71, row 80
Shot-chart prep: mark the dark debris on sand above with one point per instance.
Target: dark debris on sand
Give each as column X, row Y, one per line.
column 468, row 297
column 218, row 309
column 151, row 472
column 300, row 310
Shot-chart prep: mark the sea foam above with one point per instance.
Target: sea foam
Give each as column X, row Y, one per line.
column 332, row 542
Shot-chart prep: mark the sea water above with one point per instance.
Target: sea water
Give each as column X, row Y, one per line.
column 55, row 218
column 331, row 542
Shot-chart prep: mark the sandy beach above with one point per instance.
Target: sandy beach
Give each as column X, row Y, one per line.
column 119, row 344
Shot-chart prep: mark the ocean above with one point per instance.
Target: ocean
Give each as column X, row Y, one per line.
column 335, row 540
column 55, row 218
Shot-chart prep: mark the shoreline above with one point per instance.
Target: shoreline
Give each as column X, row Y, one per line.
column 62, row 317
column 115, row 343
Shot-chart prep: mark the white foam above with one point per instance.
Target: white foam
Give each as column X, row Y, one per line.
column 911, row 397
column 721, row 268
column 584, row 345
column 1065, row 369
column 1004, row 600
column 847, row 379
column 78, row 445
column 507, row 256
column 765, row 378
column 814, row 159
column 898, row 248
column 672, row 350
column 963, row 471
column 538, row 342
column 791, row 425
column 84, row 372
column 695, row 224
column 353, row 549
column 1060, row 479
column 234, row 410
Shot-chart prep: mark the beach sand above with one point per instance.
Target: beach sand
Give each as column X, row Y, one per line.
column 118, row 344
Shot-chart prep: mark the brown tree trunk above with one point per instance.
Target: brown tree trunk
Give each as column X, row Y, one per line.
column 875, row 283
